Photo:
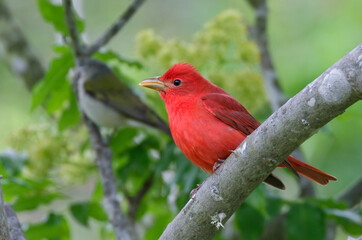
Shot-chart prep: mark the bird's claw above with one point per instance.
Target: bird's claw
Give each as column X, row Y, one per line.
column 217, row 164
column 192, row 193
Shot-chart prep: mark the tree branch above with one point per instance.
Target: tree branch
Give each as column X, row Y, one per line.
column 103, row 154
column 270, row 76
column 259, row 33
column 262, row 151
column 115, row 28
column 72, row 28
column 15, row 50
column 117, row 218
column 16, row 233
column 353, row 195
column 4, row 228
column 135, row 201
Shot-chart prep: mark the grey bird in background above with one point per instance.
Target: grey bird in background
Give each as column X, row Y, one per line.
column 109, row 102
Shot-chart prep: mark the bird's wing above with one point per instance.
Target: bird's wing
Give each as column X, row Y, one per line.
column 230, row 111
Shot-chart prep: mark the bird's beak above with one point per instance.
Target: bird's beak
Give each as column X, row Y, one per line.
column 154, row 83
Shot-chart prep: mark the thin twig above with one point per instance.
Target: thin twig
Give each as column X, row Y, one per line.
column 72, row 28
column 117, row 218
column 115, row 28
column 353, row 195
column 274, row 90
column 259, row 32
column 135, row 201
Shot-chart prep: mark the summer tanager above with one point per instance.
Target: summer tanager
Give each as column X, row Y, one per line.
column 207, row 123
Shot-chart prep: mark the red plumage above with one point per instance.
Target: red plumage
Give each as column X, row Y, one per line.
column 207, row 123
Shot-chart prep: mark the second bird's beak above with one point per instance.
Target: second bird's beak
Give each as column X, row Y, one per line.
column 154, row 83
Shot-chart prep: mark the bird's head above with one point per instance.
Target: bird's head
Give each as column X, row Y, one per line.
column 182, row 79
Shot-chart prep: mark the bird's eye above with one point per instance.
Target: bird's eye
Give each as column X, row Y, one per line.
column 177, row 82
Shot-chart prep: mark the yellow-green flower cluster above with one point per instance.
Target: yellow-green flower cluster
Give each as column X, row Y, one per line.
column 53, row 154
column 221, row 51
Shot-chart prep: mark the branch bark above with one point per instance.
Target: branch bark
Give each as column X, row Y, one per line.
column 115, row 28
column 4, row 228
column 16, row 233
column 353, row 195
column 15, row 50
column 262, row 151
column 275, row 93
column 119, row 221
column 72, row 28
column 122, row 228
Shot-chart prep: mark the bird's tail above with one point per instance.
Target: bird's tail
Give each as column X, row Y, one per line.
column 309, row 171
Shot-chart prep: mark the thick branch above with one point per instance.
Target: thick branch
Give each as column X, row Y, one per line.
column 224, row 191
column 72, row 28
column 117, row 218
column 115, row 28
column 15, row 50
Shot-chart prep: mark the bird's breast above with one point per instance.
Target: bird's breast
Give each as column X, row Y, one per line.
column 202, row 137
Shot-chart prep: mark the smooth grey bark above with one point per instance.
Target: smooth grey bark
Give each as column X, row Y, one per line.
column 223, row 192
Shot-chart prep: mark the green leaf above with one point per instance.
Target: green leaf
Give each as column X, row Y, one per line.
column 250, row 222
column 27, row 194
column 257, row 199
column 167, row 155
column 305, row 221
column 350, row 220
column 84, row 210
column 110, row 55
column 12, row 161
column 80, row 212
column 33, row 200
column 54, row 14
column 123, row 139
column 58, row 97
column 53, row 80
column 70, row 115
column 54, row 228
column 274, row 206
column 97, row 212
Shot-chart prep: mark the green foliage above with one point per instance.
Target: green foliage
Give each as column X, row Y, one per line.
column 55, row 157
column 53, row 154
column 221, row 51
column 305, row 221
column 350, row 220
column 12, row 161
column 55, row 227
column 82, row 211
column 250, row 222
column 54, row 14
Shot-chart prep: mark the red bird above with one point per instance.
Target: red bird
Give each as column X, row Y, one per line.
column 207, row 123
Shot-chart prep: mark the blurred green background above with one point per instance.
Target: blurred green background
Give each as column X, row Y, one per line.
column 305, row 38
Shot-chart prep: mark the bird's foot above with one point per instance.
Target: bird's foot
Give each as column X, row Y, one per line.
column 192, row 193
column 217, row 164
